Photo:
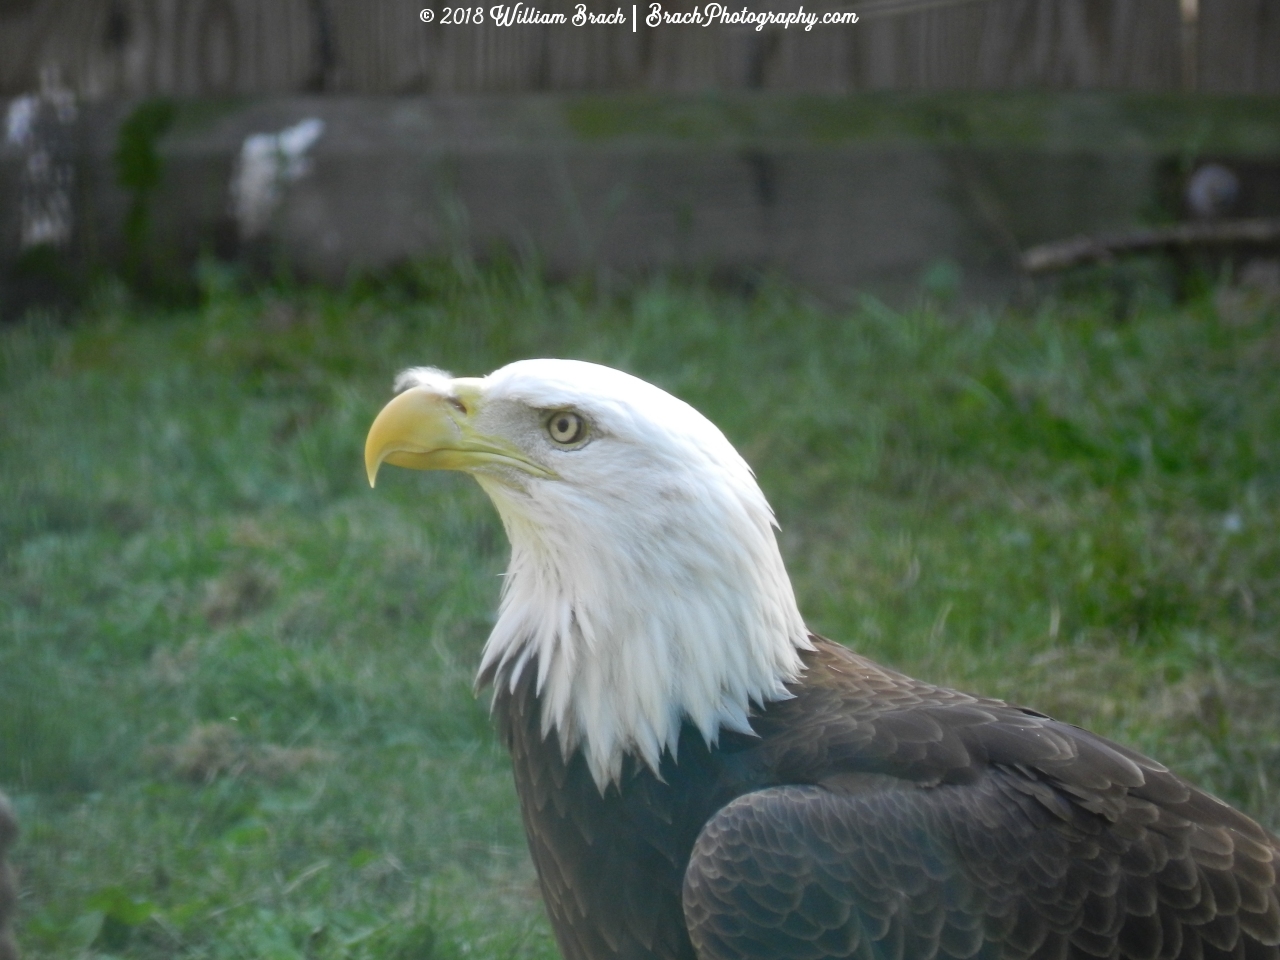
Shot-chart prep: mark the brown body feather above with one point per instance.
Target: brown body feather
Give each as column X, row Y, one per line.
column 876, row 816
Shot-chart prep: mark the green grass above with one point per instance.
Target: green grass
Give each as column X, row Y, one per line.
column 237, row 714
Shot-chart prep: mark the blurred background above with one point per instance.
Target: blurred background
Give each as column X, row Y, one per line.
column 987, row 292
column 339, row 138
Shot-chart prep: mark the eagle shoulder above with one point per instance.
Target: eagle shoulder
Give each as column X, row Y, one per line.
column 911, row 820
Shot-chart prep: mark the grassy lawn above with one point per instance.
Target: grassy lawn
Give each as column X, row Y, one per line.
column 237, row 717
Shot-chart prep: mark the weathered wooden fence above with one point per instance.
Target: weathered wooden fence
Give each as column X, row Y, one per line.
column 1239, row 46
column 111, row 48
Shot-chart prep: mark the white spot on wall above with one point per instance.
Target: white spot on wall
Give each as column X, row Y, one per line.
column 268, row 163
column 39, row 128
column 22, row 112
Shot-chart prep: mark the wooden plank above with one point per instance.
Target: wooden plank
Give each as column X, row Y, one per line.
column 1060, row 255
column 1023, row 44
column 1239, row 46
column 160, row 47
column 220, row 47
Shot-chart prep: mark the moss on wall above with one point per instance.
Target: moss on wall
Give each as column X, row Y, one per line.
column 1154, row 123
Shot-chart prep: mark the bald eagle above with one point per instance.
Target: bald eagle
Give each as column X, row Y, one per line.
column 702, row 777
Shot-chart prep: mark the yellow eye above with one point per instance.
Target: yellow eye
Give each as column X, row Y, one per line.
column 566, row 427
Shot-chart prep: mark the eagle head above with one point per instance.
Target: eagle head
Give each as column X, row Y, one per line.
column 645, row 584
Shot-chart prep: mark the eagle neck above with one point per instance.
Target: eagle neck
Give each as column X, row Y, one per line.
column 630, row 644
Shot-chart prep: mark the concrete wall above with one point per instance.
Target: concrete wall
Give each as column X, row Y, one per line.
column 836, row 193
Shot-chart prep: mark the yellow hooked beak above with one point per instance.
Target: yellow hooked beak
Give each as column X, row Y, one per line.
column 423, row 430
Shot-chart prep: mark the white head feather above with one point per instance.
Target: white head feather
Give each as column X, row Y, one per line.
column 645, row 579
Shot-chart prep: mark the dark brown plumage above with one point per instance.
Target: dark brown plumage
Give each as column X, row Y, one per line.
column 8, row 882
column 876, row 816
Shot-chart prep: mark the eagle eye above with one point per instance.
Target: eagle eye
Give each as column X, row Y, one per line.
column 566, row 427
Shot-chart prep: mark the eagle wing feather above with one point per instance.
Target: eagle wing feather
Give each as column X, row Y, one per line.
column 987, row 830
